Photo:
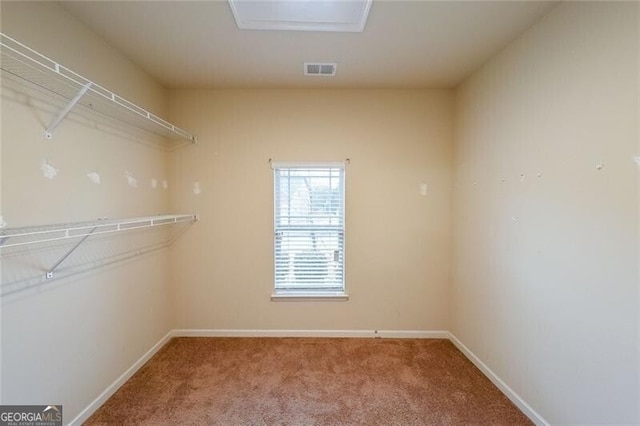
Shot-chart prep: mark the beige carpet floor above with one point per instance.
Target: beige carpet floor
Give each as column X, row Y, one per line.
column 308, row 381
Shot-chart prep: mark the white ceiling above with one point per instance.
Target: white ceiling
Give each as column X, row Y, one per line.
column 405, row 44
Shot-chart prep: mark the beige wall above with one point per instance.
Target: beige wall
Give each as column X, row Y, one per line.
column 545, row 287
column 638, row 201
column 66, row 340
column 397, row 241
column 1, row 221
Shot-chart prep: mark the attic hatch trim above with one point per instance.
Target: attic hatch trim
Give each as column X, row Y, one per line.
column 301, row 15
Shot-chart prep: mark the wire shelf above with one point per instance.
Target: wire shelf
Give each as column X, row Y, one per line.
column 14, row 237
column 81, row 231
column 33, row 67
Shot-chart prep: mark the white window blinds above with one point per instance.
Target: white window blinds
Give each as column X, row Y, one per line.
column 309, row 228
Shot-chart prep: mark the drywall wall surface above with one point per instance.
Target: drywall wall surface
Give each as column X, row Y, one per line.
column 397, row 240
column 65, row 340
column 546, row 210
column 1, row 220
column 638, row 198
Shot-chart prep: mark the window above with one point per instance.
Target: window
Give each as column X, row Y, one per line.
column 309, row 230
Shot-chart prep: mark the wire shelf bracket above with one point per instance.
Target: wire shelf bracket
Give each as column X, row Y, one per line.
column 49, row 274
column 48, row 133
column 83, row 230
column 36, row 68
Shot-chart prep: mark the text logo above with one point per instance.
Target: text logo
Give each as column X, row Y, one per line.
column 30, row 415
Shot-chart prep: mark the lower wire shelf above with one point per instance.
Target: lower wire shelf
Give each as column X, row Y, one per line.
column 81, row 231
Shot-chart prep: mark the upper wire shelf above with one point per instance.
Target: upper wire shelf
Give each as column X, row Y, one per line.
column 25, row 63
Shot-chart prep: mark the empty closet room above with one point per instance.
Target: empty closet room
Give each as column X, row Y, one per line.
column 201, row 205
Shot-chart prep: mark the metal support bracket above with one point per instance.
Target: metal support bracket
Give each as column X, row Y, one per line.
column 49, row 132
column 49, row 274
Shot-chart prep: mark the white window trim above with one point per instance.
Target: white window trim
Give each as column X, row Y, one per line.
column 285, row 165
column 301, row 296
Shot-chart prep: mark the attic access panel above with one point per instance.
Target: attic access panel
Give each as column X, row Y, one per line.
column 301, row 15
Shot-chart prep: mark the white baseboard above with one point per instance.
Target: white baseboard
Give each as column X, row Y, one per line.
column 113, row 387
column 411, row 334
column 514, row 397
column 271, row 333
column 314, row 333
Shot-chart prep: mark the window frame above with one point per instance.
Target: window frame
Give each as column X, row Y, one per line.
column 280, row 294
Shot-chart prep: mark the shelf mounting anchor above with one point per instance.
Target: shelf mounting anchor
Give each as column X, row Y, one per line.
column 49, row 132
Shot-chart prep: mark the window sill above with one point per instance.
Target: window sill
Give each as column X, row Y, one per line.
column 309, row 297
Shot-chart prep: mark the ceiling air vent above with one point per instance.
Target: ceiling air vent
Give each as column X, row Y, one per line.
column 327, row 69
